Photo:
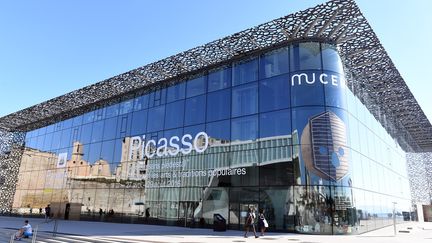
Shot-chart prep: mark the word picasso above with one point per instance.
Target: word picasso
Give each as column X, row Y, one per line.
column 168, row 147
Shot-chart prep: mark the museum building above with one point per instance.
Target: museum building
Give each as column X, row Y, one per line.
column 304, row 117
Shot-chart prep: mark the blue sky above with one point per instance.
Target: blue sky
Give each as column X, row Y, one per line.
column 49, row 48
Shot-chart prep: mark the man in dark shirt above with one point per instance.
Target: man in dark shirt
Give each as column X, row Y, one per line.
column 47, row 212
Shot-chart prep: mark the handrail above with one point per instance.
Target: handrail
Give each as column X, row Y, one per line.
column 46, row 222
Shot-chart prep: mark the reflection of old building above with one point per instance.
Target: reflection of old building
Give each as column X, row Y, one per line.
column 131, row 167
column 40, row 176
column 79, row 168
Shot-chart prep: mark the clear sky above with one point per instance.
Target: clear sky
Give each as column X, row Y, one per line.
column 51, row 47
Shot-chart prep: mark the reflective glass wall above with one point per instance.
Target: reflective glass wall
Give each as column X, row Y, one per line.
column 278, row 132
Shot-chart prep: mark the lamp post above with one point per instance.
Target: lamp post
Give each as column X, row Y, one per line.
column 394, row 217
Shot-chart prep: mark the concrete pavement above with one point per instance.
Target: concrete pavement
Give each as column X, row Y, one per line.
column 83, row 231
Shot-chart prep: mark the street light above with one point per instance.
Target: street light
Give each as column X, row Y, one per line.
column 394, row 217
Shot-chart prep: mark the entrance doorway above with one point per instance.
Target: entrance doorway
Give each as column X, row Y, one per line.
column 238, row 213
column 186, row 213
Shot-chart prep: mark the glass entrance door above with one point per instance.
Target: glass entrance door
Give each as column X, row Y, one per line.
column 244, row 207
column 238, row 213
column 186, row 214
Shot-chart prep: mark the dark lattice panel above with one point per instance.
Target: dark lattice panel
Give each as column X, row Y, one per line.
column 371, row 74
column 11, row 149
column 419, row 167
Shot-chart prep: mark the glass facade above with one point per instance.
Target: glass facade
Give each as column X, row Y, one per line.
column 279, row 131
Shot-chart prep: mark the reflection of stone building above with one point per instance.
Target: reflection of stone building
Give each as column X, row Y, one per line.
column 79, row 168
column 131, row 166
column 86, row 187
column 39, row 180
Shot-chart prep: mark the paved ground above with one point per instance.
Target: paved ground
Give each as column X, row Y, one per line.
column 98, row 232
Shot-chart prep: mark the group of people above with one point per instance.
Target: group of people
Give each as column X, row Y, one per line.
column 27, row 231
column 250, row 222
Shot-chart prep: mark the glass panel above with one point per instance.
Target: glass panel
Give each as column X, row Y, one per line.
column 313, row 209
column 107, row 151
column 124, row 125
column 277, row 206
column 126, row 106
column 157, row 98
column 141, row 102
column 94, row 152
column 196, row 86
column 99, row 114
column 112, row 111
column 156, row 119
column 245, row 100
column 41, row 131
column 47, row 142
column 219, row 132
column 245, row 71
column 305, row 56
column 219, row 79
column 65, row 138
column 306, row 89
column 194, row 130
column 173, row 132
column 86, row 132
column 176, row 92
column 97, row 131
column 274, row 93
column 77, row 121
column 88, row 117
column 110, row 128
column 139, row 122
column 274, row 63
column 244, row 128
column 118, row 150
column 335, row 90
column 195, row 110
column 174, row 114
column 40, row 142
column 331, row 58
column 218, row 105
column 50, row 128
column 275, row 123
column 66, row 124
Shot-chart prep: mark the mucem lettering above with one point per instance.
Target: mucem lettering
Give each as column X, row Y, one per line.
column 168, row 147
column 312, row 78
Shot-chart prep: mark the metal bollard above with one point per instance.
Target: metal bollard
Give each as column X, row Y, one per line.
column 35, row 234
column 55, row 227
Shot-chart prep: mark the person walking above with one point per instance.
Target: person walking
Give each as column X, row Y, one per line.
column 47, row 212
column 262, row 222
column 250, row 223
column 147, row 214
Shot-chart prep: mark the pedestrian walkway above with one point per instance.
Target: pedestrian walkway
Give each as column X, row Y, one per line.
column 100, row 232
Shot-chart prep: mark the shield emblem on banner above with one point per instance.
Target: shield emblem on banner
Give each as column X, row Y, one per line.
column 324, row 146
